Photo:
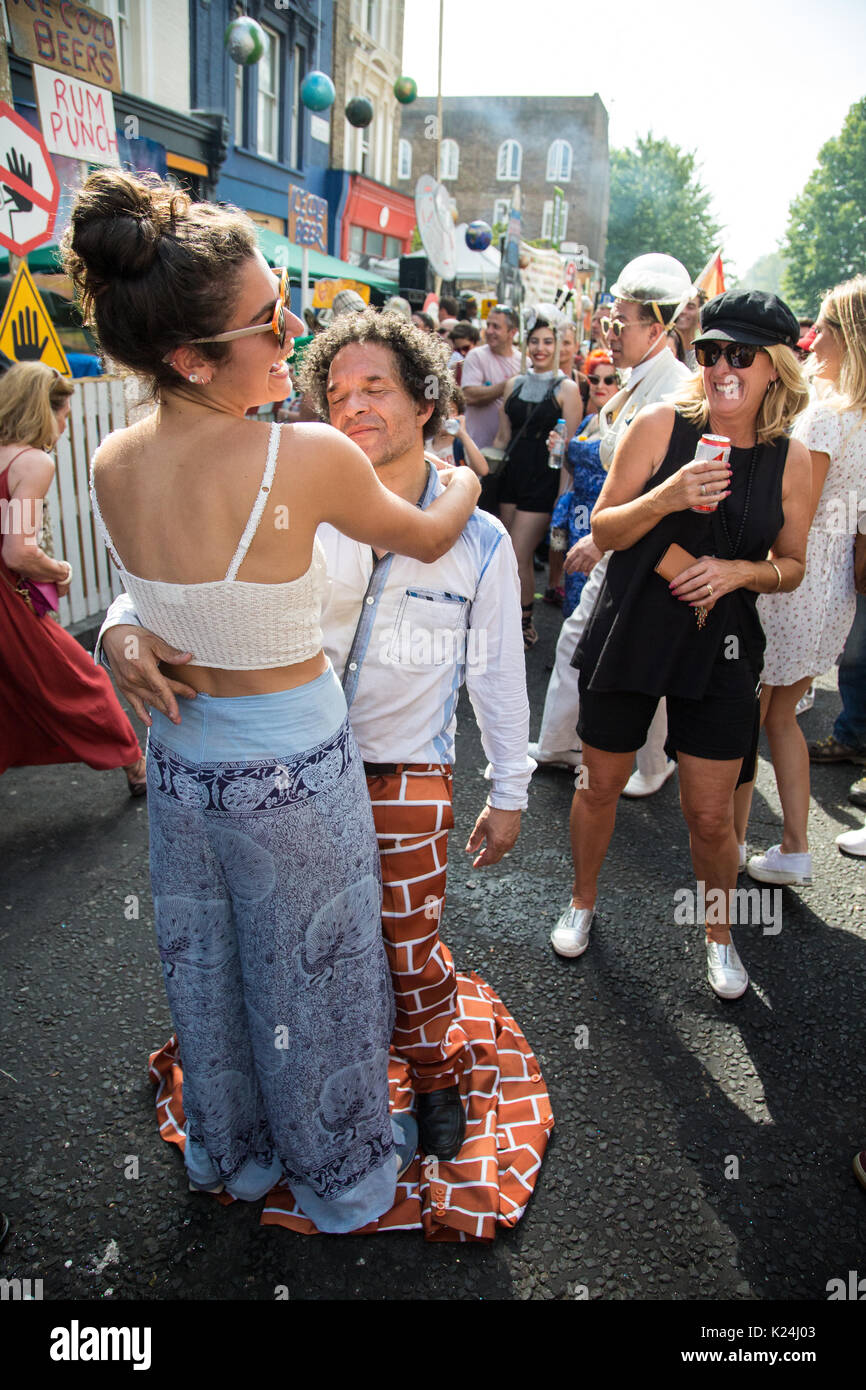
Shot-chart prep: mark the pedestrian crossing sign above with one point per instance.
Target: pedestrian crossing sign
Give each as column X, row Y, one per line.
column 26, row 331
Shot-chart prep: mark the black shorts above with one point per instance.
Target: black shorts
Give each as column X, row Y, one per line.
column 531, row 485
column 723, row 725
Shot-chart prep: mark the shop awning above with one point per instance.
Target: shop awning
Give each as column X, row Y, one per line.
column 278, row 251
column 45, row 259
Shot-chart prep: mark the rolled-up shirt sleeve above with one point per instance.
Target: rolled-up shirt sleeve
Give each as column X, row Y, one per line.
column 122, row 612
column 496, row 680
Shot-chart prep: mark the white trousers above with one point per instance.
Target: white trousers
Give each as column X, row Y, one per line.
column 562, row 701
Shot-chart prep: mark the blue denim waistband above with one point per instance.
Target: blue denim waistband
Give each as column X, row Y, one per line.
column 280, row 725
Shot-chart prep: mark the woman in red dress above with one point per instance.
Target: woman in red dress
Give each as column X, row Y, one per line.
column 56, row 706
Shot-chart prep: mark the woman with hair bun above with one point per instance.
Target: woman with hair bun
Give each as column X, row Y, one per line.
column 264, row 861
column 55, row 705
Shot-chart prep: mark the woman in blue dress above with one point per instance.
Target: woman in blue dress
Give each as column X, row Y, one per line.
column 570, row 520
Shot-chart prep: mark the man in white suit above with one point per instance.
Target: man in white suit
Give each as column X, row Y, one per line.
column 648, row 293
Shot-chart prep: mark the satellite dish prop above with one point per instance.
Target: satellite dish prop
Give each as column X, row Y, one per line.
column 436, row 225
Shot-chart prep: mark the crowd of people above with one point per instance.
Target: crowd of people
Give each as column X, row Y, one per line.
column 300, row 684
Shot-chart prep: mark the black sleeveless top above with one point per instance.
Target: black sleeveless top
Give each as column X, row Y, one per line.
column 639, row 637
column 542, row 415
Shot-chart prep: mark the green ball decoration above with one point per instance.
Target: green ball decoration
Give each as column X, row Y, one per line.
column 359, row 112
column 246, row 41
column 405, row 90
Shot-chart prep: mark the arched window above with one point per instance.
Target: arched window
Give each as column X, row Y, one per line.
column 404, row 159
column 559, row 158
column 509, row 160
column 449, row 159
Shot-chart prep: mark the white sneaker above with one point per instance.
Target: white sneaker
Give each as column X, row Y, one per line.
column 853, row 842
column 639, row 785
column 570, row 936
column 725, row 971
column 570, row 758
column 741, row 859
column 806, row 701
column 776, row 867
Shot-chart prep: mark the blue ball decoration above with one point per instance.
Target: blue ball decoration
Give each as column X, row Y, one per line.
column 245, row 41
column 318, row 91
column 359, row 112
column 478, row 236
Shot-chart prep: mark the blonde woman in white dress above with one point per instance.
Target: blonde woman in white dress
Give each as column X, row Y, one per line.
column 806, row 629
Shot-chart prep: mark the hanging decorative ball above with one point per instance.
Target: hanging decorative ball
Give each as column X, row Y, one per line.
column 246, row 41
column 405, row 90
column 318, row 91
column 478, row 236
column 359, row 112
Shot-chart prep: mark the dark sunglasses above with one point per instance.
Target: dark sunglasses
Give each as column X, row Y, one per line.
column 605, row 380
column 738, row 355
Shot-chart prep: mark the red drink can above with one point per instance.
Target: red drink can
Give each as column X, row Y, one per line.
column 715, row 448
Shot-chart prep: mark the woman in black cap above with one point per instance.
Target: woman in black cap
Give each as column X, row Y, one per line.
column 685, row 626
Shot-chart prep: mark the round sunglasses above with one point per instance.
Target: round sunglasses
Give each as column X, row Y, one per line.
column 738, row 355
column 604, row 380
column 278, row 324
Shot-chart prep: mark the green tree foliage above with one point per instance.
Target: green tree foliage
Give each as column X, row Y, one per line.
column 657, row 203
column 826, row 239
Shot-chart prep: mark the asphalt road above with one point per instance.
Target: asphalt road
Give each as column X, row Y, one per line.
column 702, row 1149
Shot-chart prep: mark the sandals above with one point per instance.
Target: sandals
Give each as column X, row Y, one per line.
column 554, row 596
column 530, row 636
column 136, row 777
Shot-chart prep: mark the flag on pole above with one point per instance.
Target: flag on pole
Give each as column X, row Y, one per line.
column 712, row 278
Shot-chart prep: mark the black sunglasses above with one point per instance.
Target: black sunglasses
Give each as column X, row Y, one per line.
column 605, row 380
column 738, row 355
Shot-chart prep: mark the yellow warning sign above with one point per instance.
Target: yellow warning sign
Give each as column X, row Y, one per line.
column 26, row 331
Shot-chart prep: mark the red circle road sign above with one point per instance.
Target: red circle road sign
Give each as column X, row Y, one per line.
column 29, row 187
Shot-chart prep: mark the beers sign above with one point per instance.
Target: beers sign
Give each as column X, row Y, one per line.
column 69, row 37
column 308, row 219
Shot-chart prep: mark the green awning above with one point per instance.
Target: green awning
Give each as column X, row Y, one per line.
column 278, row 251
column 44, row 258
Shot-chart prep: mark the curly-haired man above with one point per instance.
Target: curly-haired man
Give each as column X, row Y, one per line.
column 404, row 636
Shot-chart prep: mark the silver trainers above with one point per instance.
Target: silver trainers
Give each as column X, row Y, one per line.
column 725, row 971
column 570, row 936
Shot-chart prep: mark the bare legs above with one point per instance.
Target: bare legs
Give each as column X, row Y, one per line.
column 707, row 798
column 526, row 529
column 593, row 813
column 790, row 765
column 706, row 795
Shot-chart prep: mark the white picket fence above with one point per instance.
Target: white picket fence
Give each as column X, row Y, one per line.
column 98, row 406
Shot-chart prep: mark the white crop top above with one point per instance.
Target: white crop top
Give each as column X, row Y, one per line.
column 227, row 623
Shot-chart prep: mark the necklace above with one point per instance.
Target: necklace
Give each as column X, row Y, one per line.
column 734, row 548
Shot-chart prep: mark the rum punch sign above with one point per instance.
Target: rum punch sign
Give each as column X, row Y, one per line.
column 77, row 118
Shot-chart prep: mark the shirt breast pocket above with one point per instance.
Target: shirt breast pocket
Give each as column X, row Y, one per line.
column 429, row 629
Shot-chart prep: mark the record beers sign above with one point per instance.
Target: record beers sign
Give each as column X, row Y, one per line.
column 69, row 37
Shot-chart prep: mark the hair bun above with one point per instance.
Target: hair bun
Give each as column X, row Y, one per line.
column 116, row 227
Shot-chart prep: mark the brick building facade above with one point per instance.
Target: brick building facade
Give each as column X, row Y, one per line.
column 491, row 143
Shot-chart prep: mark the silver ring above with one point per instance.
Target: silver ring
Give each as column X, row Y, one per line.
column 703, row 489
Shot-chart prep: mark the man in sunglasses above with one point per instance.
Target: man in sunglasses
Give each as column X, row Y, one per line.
column 648, row 291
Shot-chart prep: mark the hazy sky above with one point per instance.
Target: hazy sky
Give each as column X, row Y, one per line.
column 754, row 88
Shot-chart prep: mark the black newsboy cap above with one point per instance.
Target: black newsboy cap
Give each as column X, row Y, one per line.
column 749, row 316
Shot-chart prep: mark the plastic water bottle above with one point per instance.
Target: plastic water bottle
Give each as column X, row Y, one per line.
column 554, row 458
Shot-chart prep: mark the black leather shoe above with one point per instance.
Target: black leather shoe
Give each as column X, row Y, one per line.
column 441, row 1123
